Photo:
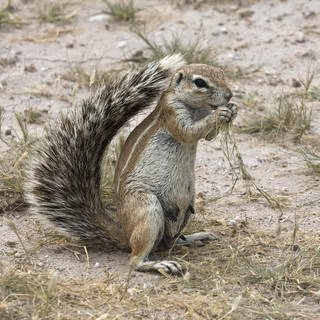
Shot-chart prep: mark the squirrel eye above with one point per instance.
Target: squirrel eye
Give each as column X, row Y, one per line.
column 200, row 83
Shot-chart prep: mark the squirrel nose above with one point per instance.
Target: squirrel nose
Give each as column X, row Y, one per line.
column 228, row 95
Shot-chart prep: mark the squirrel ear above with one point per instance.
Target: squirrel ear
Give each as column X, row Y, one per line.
column 178, row 77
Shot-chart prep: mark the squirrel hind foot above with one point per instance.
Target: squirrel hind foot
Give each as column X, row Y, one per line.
column 163, row 267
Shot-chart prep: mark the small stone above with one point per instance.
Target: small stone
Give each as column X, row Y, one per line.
column 245, row 13
column 300, row 37
column 230, row 55
column 60, row 268
column 223, row 30
column 3, row 84
column 11, row 244
column 7, row 132
column 295, row 247
column 131, row 291
column 269, row 72
column 296, row 83
column 122, row 44
column 308, row 14
column 97, row 265
column 99, row 18
column 30, row 68
column 311, row 54
column 70, row 46
column 18, row 255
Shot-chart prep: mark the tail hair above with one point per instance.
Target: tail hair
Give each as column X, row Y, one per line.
column 63, row 179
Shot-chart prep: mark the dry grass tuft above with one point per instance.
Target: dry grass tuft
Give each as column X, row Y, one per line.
column 7, row 16
column 312, row 158
column 244, row 276
column 85, row 79
column 240, row 172
column 191, row 50
column 123, row 10
column 12, row 162
column 315, row 93
column 291, row 116
column 54, row 13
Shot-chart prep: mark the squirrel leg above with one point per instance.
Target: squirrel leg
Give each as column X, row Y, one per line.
column 146, row 233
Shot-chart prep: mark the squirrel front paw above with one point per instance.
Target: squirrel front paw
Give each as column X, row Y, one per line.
column 221, row 116
column 234, row 110
column 226, row 113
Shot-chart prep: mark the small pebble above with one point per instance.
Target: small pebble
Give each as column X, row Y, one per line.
column 223, row 30
column 61, row 268
column 300, row 37
column 97, row 265
column 295, row 247
column 230, row 55
column 245, row 13
column 11, row 244
column 18, row 255
column 308, row 14
column 7, row 132
column 30, row 68
column 99, row 18
column 131, row 291
column 296, row 83
column 122, row 44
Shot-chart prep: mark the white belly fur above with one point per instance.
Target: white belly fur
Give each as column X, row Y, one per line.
column 166, row 168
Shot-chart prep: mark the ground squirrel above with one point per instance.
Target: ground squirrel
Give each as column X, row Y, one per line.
column 154, row 181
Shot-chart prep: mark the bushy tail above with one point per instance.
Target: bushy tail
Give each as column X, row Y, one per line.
column 63, row 180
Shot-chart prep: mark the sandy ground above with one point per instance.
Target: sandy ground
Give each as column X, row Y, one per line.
column 273, row 43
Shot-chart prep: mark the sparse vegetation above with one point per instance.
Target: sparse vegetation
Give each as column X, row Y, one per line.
column 191, row 50
column 312, row 158
column 315, row 93
column 123, row 10
column 12, row 163
column 77, row 73
column 33, row 116
column 259, row 276
column 292, row 115
column 252, row 271
column 7, row 17
column 54, row 13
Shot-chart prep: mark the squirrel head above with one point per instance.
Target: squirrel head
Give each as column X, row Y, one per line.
column 199, row 86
